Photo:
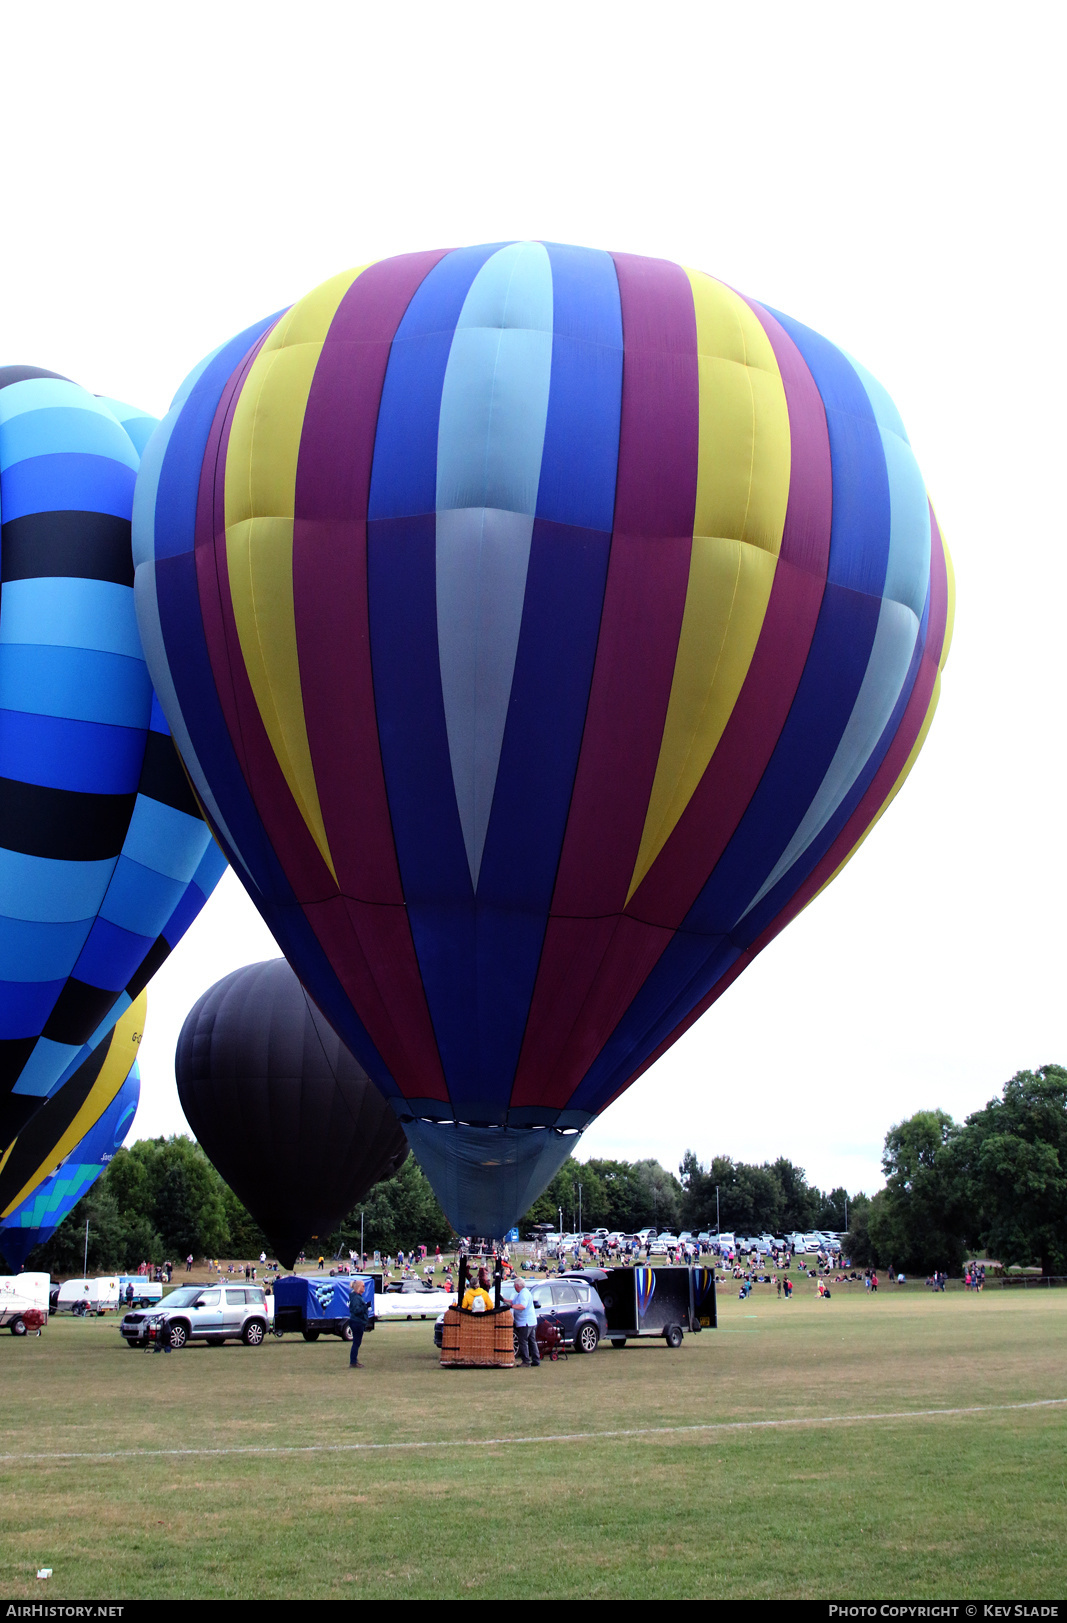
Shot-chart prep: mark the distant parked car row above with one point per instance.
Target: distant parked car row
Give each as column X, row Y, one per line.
column 660, row 1241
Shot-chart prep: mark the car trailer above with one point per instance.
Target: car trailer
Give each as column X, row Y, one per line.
column 315, row 1305
column 650, row 1303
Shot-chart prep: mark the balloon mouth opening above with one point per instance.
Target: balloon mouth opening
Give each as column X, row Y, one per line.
column 435, row 1113
column 487, row 1175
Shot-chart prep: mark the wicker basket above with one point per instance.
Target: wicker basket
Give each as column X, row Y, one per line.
column 478, row 1340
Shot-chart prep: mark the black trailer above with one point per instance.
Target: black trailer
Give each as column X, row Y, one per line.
column 656, row 1303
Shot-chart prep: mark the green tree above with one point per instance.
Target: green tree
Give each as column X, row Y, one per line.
column 857, row 1243
column 801, row 1202
column 400, row 1212
column 129, row 1175
column 750, row 1198
column 624, row 1195
column 246, row 1238
column 829, row 1209
column 659, row 1196
column 920, row 1225
column 1010, row 1165
column 186, row 1203
column 619, row 1191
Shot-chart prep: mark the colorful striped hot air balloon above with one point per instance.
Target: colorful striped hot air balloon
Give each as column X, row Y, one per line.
column 104, row 857
column 70, row 1140
column 541, row 629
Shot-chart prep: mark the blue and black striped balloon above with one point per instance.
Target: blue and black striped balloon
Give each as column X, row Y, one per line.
column 104, row 857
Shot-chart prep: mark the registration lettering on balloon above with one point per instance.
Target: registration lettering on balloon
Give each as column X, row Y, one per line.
column 541, row 628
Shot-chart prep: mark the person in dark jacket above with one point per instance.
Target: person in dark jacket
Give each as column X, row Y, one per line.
column 358, row 1318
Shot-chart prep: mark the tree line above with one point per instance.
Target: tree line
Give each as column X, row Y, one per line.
column 995, row 1184
column 772, row 1198
column 161, row 1198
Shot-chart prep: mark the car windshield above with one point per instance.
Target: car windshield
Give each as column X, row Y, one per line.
column 185, row 1297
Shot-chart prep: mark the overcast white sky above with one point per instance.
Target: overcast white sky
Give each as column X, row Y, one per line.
column 890, row 174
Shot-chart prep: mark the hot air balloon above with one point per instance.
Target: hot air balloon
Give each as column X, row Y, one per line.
column 280, row 1107
column 541, row 629
column 104, row 857
column 70, row 1141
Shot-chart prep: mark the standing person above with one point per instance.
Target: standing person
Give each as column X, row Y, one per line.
column 525, row 1325
column 358, row 1318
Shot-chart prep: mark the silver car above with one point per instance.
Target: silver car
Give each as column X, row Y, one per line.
column 211, row 1313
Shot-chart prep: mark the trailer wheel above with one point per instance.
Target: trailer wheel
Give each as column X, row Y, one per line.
column 346, row 1333
column 673, row 1335
column 18, row 1327
column 619, row 1341
column 311, row 1335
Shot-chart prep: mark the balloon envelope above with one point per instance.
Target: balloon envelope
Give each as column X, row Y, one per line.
column 70, row 1141
column 104, row 857
column 283, row 1111
column 542, row 628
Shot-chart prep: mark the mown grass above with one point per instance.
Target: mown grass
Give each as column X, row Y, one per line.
column 966, row 1505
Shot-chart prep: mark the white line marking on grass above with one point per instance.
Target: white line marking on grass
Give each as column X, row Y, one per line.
column 551, row 1437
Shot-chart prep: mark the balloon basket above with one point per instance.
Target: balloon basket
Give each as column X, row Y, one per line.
column 478, row 1340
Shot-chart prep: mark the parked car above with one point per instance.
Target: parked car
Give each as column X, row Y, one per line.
column 211, row 1313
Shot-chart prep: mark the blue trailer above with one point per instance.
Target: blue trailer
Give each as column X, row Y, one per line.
column 317, row 1304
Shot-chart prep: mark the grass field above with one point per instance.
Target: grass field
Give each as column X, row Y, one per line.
column 793, row 1452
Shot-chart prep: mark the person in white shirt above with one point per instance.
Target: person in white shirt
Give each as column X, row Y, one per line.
column 525, row 1325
